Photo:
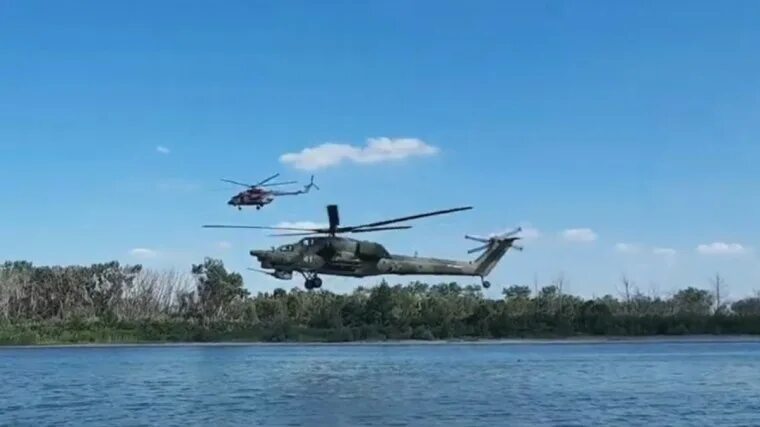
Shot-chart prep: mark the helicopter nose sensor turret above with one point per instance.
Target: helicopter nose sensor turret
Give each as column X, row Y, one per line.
column 257, row 253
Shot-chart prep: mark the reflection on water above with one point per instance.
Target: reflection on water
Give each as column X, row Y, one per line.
column 363, row 385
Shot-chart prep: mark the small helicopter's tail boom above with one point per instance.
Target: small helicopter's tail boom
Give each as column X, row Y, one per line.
column 306, row 189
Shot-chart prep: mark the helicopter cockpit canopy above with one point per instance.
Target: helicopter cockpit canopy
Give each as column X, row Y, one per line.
column 286, row 248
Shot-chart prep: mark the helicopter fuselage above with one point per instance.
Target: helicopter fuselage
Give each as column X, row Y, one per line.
column 339, row 256
column 324, row 252
column 253, row 197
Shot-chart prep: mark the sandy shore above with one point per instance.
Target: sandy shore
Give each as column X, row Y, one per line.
column 511, row 341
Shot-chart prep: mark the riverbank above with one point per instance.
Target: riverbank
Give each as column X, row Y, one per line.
column 114, row 304
column 178, row 331
column 579, row 340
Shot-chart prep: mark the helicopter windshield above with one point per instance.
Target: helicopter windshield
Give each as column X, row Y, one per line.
column 286, row 248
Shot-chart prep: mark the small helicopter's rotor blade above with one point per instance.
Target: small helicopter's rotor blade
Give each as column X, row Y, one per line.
column 479, row 248
column 294, row 234
column 367, row 230
column 406, row 218
column 238, row 183
column 333, row 217
column 268, row 179
column 477, row 238
column 279, row 183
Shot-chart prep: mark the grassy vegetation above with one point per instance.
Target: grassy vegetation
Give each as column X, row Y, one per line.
column 111, row 303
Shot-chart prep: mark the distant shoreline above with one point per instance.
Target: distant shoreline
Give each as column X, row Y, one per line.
column 655, row 339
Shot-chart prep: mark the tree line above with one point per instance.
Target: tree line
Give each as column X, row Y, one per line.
column 111, row 302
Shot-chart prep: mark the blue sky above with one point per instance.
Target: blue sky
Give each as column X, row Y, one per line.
column 623, row 135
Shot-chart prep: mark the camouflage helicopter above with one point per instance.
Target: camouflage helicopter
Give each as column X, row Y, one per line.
column 257, row 195
column 323, row 251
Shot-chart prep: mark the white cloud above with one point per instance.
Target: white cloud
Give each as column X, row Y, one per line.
column 627, row 248
column 721, row 248
column 224, row 245
column 583, row 235
column 529, row 233
column 302, row 224
column 162, row 150
column 377, row 150
column 667, row 252
column 143, row 253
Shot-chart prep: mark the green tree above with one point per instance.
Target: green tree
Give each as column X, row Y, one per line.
column 747, row 306
column 693, row 301
column 217, row 289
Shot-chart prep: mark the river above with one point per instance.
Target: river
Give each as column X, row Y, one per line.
column 583, row 384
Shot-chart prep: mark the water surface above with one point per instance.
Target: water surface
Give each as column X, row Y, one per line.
column 384, row 385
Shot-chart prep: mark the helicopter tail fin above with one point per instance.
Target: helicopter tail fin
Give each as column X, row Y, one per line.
column 495, row 248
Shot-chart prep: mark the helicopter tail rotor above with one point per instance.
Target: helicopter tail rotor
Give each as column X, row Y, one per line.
column 311, row 184
column 490, row 241
column 493, row 249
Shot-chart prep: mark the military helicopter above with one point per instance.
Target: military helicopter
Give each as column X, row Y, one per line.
column 323, row 251
column 257, row 195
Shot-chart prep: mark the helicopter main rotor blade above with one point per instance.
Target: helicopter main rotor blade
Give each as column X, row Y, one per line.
column 268, row 179
column 406, row 218
column 367, row 230
column 238, row 183
column 279, row 183
column 323, row 231
column 477, row 238
column 334, row 218
column 257, row 227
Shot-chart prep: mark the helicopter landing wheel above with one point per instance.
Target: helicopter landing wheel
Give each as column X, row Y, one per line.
column 485, row 283
column 312, row 281
column 258, row 207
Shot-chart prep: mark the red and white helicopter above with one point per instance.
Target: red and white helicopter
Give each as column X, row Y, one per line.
column 259, row 195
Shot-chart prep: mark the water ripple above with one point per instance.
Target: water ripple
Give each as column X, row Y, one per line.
column 366, row 385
